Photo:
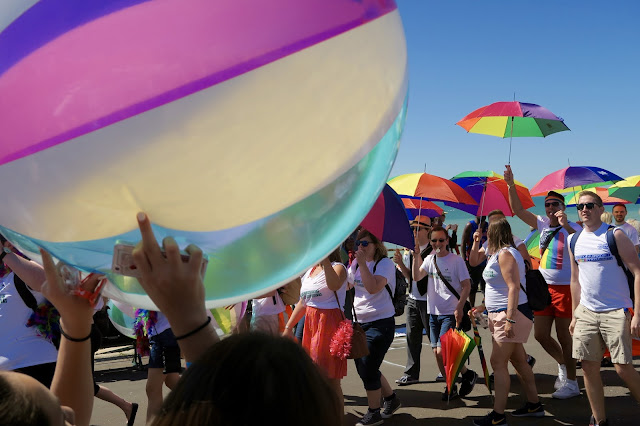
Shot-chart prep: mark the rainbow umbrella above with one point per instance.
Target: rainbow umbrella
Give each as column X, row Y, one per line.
column 607, row 200
column 574, row 178
column 490, row 191
column 388, row 219
column 532, row 243
column 430, row 187
column 483, row 362
column 512, row 119
column 628, row 189
column 415, row 207
column 456, row 348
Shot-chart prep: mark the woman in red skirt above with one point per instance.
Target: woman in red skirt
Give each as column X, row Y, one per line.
column 321, row 299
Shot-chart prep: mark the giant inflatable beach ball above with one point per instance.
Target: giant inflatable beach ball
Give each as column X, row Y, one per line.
column 260, row 130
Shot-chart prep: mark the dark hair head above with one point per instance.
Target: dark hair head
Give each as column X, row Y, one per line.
column 494, row 213
column 252, row 376
column 499, row 235
column 19, row 408
column 438, row 229
column 381, row 250
column 619, row 205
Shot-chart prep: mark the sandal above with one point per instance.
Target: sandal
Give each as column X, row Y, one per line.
column 132, row 417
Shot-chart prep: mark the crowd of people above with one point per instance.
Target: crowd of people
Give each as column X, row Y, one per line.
column 593, row 276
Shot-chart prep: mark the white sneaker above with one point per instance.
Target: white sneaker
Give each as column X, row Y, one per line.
column 569, row 390
column 562, row 377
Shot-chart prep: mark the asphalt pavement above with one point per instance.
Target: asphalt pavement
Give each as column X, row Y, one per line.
column 421, row 403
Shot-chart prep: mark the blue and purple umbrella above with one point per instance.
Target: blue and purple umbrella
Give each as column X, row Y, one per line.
column 574, row 178
column 388, row 219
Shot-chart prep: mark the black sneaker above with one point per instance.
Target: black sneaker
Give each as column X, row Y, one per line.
column 592, row 422
column 491, row 419
column 390, row 407
column 531, row 360
column 468, row 382
column 450, row 397
column 529, row 410
column 371, row 418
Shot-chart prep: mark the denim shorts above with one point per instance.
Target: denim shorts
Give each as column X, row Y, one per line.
column 379, row 337
column 438, row 325
column 165, row 352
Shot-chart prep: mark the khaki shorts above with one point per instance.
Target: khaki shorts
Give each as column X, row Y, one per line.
column 596, row 331
column 521, row 329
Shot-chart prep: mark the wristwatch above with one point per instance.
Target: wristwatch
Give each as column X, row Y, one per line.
column 5, row 251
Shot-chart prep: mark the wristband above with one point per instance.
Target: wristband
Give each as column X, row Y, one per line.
column 194, row 331
column 286, row 327
column 511, row 321
column 73, row 339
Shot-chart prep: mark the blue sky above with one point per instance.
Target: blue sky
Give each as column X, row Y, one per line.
column 581, row 60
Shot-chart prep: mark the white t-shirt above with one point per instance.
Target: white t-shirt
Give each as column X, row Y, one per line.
column 496, row 295
column 265, row 306
column 631, row 232
column 371, row 307
column 407, row 260
column 440, row 300
column 555, row 264
column 603, row 284
column 516, row 241
column 315, row 293
column 20, row 346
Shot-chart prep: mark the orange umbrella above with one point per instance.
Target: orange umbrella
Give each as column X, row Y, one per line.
column 430, row 187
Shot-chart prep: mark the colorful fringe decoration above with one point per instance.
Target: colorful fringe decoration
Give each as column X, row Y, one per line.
column 340, row 345
column 144, row 321
column 46, row 321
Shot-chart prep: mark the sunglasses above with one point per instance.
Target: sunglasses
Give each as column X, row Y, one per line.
column 363, row 243
column 436, row 240
column 589, row 206
column 552, row 203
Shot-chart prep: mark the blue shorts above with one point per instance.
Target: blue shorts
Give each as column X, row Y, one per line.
column 438, row 325
column 165, row 352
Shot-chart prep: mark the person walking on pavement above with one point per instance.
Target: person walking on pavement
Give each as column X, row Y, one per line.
column 555, row 229
column 601, row 301
column 446, row 273
column 417, row 311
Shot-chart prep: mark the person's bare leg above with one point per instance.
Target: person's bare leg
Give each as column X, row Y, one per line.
column 154, row 392
column 171, row 380
column 437, row 352
column 108, row 395
column 594, row 388
column 542, row 332
column 631, row 378
column 525, row 373
column 566, row 343
column 373, row 398
column 386, row 389
column 502, row 382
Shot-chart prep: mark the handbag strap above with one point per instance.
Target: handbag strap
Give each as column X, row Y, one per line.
column 27, row 297
column 444, row 280
column 339, row 307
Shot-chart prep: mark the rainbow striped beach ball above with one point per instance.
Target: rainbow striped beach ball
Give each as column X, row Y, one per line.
column 260, row 130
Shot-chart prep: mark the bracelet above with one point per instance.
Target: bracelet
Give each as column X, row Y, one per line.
column 194, row 331
column 73, row 339
column 286, row 327
column 510, row 320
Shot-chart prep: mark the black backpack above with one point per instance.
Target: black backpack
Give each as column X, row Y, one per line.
column 613, row 248
column 399, row 297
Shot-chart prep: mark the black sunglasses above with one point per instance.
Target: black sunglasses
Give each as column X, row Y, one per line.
column 589, row 206
column 363, row 243
column 552, row 203
column 442, row 240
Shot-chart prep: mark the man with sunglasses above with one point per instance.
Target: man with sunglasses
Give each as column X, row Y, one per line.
column 601, row 302
column 417, row 315
column 555, row 267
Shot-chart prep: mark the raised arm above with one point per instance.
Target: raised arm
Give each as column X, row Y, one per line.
column 29, row 271
column 477, row 254
column 335, row 275
column 418, row 273
column 397, row 258
column 524, row 215
column 176, row 288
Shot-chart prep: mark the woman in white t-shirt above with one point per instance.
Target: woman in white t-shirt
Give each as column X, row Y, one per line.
column 321, row 299
column 510, row 321
column 373, row 275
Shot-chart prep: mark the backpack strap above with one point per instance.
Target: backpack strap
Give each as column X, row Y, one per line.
column 613, row 247
column 553, row 234
column 27, row 297
column 572, row 244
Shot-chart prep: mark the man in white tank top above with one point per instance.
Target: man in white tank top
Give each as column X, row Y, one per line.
column 601, row 302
